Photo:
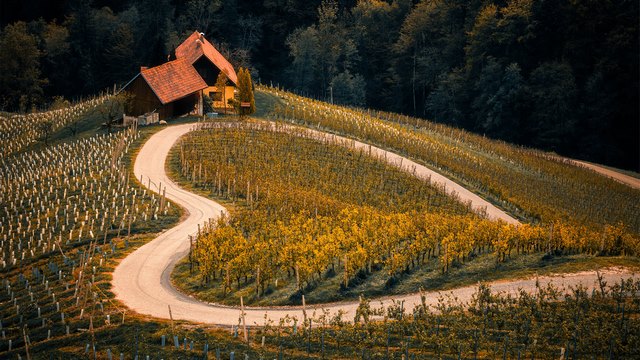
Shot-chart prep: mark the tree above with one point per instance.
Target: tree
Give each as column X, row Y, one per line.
column 19, row 69
column 251, row 32
column 348, row 89
column 445, row 104
column 303, row 46
column 45, row 129
column 500, row 104
column 120, row 52
column 487, row 86
column 221, row 86
column 197, row 15
column 55, row 62
column 245, row 93
column 503, row 33
column 111, row 111
column 553, row 92
column 430, row 45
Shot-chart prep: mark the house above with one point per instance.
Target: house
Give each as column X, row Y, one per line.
column 171, row 89
column 177, row 87
column 208, row 61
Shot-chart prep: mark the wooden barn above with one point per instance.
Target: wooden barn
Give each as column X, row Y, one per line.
column 171, row 89
column 177, row 87
column 208, row 61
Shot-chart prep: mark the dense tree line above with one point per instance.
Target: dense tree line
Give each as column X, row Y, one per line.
column 559, row 75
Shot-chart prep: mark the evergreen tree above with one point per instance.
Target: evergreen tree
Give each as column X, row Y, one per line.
column 245, row 93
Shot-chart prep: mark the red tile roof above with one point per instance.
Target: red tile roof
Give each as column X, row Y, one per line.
column 173, row 80
column 197, row 46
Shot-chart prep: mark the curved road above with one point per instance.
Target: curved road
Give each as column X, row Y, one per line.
column 620, row 177
column 142, row 280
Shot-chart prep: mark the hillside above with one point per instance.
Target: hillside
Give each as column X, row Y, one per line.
column 536, row 186
column 319, row 179
column 560, row 76
column 74, row 209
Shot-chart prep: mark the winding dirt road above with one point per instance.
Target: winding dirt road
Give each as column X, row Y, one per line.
column 625, row 179
column 142, row 280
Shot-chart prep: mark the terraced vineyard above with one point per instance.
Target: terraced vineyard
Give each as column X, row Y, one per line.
column 312, row 216
column 70, row 195
column 303, row 212
column 18, row 131
column 537, row 186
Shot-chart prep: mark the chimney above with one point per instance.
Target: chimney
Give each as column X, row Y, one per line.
column 143, row 68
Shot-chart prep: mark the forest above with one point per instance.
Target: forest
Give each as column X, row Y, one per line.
column 557, row 75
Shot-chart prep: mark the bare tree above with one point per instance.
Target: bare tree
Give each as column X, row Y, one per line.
column 112, row 110
column 45, row 129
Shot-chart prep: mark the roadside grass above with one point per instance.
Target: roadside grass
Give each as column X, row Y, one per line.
column 428, row 277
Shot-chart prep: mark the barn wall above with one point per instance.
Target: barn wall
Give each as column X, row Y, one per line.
column 144, row 99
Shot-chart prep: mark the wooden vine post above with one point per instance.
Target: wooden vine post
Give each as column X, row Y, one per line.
column 244, row 323
column 171, row 317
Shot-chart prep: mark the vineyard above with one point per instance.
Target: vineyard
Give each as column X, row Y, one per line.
column 313, row 214
column 307, row 214
column 543, row 325
column 536, row 186
column 67, row 211
column 18, row 131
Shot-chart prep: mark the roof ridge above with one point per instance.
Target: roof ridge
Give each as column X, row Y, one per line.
column 173, row 80
column 196, row 46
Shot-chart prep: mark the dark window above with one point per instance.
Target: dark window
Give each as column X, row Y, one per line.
column 215, row 95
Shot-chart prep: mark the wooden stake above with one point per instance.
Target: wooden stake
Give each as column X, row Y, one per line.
column 346, row 276
column 244, row 324
column 304, row 311
column 26, row 343
column 258, row 282
column 130, row 216
column 171, row 317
